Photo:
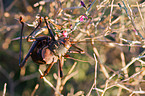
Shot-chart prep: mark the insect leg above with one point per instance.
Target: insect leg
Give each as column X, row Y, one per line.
column 47, row 70
column 20, row 52
column 49, row 29
column 21, row 64
column 30, row 38
column 34, row 44
column 79, row 50
column 74, row 51
column 28, row 54
column 60, row 66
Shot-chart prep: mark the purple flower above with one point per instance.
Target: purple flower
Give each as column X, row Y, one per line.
column 83, row 4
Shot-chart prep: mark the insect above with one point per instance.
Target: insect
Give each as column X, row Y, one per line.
column 47, row 49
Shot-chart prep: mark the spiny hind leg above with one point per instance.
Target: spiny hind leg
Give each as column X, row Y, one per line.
column 47, row 70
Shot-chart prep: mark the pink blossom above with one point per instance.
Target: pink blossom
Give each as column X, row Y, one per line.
column 65, row 34
column 135, row 32
column 82, row 18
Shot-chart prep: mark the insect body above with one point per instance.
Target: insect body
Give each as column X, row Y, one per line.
column 46, row 49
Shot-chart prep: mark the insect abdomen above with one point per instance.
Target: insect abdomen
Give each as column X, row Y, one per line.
column 61, row 47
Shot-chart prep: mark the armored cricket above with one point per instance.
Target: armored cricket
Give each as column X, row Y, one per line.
column 46, row 49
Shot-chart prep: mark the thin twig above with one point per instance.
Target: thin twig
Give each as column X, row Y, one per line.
column 99, row 90
column 107, row 89
column 95, row 76
column 132, row 19
column 68, row 76
column 50, row 83
column 122, row 54
column 4, row 90
column 111, row 13
column 140, row 14
column 99, row 60
column 116, row 5
column 130, row 63
column 124, row 87
column 76, row 59
column 91, row 90
column 133, row 76
column 72, row 68
column 36, row 87
column 96, row 64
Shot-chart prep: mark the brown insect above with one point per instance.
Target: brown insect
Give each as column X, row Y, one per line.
column 46, row 49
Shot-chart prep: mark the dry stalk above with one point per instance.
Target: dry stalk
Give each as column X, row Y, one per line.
column 96, row 64
column 124, row 87
column 95, row 77
column 49, row 83
column 91, row 90
column 36, row 87
column 124, row 65
column 130, row 63
column 133, row 76
column 61, row 82
column 111, row 13
column 69, row 75
column 140, row 13
column 5, row 89
column 122, row 54
column 116, row 5
column 103, row 69
column 131, row 18
column 107, row 89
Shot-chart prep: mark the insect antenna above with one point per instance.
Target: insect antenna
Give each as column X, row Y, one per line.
column 20, row 52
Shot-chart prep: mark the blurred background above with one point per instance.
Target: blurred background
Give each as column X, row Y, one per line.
column 118, row 34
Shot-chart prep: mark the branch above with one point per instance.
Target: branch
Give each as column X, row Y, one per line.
column 5, row 88
column 49, row 83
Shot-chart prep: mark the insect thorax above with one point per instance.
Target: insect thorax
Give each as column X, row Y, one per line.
column 61, row 46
